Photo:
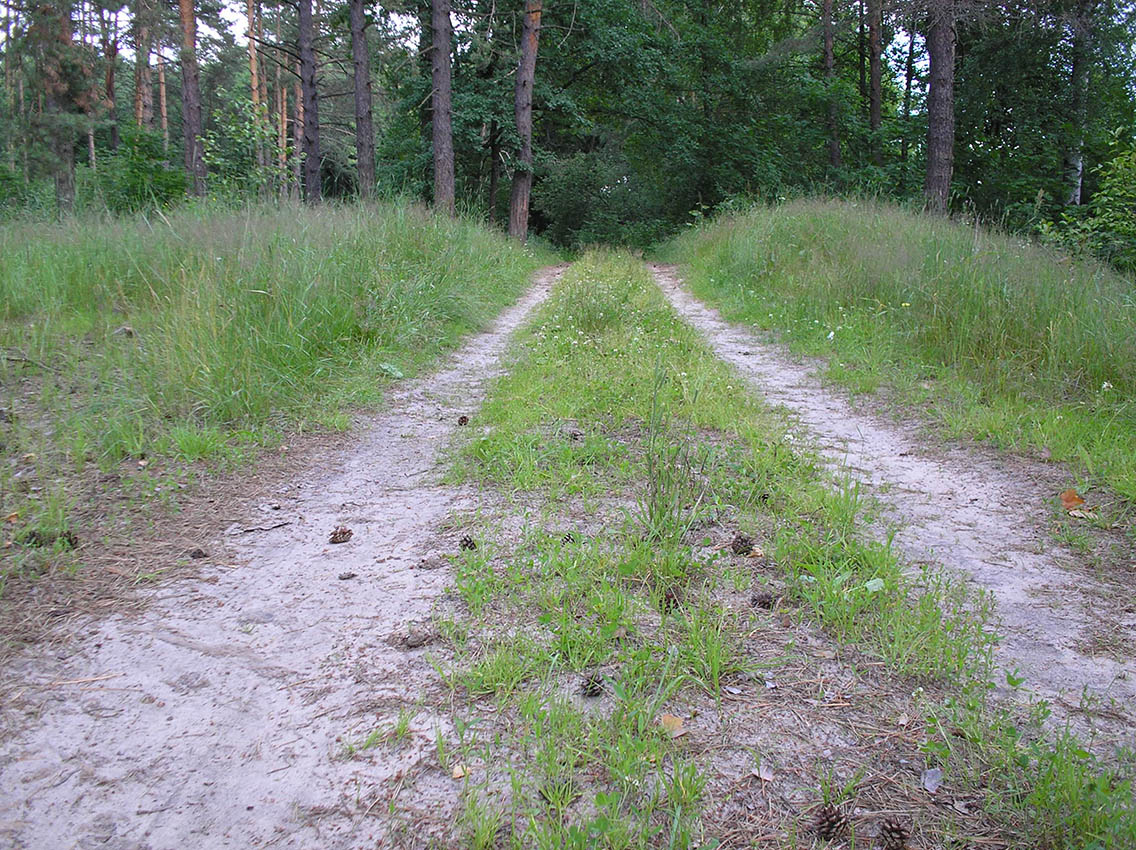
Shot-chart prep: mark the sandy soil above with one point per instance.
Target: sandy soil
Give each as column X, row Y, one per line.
column 222, row 715
column 972, row 512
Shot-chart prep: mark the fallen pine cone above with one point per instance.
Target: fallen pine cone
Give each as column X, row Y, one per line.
column 592, row 685
column 341, row 534
column 829, row 822
column 463, row 420
column 893, row 835
column 741, row 545
column 468, row 543
column 568, row 538
column 763, row 600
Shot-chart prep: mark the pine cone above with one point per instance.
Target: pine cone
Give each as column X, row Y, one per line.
column 764, row 600
column 468, row 543
column 741, row 545
column 463, row 420
column 592, row 686
column 671, row 599
column 893, row 835
column 341, row 534
column 569, row 537
column 829, row 822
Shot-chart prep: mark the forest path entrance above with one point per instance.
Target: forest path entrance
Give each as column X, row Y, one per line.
column 221, row 716
column 966, row 510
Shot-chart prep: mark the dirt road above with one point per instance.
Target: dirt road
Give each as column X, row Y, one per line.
column 958, row 508
column 222, row 716
column 238, row 709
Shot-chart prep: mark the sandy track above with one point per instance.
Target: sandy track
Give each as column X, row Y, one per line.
column 214, row 719
column 955, row 508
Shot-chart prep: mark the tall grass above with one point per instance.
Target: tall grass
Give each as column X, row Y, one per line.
column 195, row 336
column 232, row 318
column 1026, row 346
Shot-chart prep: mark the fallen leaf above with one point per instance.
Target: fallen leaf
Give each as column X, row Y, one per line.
column 961, row 806
column 142, row 464
column 763, row 772
column 459, row 771
column 1079, row 514
column 12, row 517
column 756, row 552
column 1071, row 499
column 903, row 719
column 730, row 689
column 933, row 779
column 672, row 725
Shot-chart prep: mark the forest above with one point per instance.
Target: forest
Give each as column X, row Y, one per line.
column 568, row 424
column 624, row 119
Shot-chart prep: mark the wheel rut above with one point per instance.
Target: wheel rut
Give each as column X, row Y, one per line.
column 220, row 717
column 955, row 508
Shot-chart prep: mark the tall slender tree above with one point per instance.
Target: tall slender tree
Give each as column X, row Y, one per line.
column 191, row 100
column 142, row 34
column 522, row 109
column 311, row 164
column 940, row 104
column 875, row 78
column 828, row 28
column 108, row 31
column 441, row 100
column 1081, row 26
column 364, row 129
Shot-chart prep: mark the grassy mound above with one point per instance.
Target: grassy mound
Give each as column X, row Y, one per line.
column 199, row 335
column 1005, row 340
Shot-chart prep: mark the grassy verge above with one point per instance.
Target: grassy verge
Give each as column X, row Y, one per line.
column 672, row 635
column 996, row 338
column 146, row 346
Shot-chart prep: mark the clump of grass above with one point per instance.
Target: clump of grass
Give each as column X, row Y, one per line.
column 1014, row 342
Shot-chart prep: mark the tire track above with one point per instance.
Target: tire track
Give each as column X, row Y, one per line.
column 232, row 706
column 954, row 508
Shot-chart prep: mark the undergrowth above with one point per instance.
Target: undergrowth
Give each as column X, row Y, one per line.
column 1000, row 339
column 678, row 560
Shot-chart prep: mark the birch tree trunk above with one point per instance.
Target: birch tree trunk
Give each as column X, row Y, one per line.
column 1082, row 26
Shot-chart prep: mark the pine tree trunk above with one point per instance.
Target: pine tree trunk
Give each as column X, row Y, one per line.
column 522, row 108
column 875, row 78
column 143, row 84
column 830, row 78
column 163, row 109
column 940, row 106
column 109, row 31
column 298, row 138
column 908, row 78
column 364, row 130
column 440, row 107
column 862, row 54
column 191, row 100
column 311, row 164
column 494, row 168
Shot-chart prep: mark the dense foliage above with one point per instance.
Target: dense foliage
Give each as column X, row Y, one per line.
column 645, row 111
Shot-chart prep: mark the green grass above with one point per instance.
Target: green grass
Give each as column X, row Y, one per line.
column 1007, row 341
column 207, row 334
column 646, row 612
